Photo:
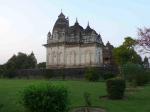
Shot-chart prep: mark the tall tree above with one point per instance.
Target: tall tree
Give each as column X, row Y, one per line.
column 129, row 42
column 126, row 53
column 146, row 62
column 21, row 61
column 31, row 61
column 41, row 65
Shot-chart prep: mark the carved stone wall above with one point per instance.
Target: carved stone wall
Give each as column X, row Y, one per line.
column 74, row 56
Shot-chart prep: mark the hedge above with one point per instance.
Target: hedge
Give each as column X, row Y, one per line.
column 45, row 98
column 115, row 88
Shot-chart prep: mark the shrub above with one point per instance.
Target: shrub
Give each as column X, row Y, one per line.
column 91, row 74
column 148, row 75
column 47, row 74
column 45, row 98
column 135, row 74
column 141, row 79
column 87, row 99
column 115, row 88
column 108, row 75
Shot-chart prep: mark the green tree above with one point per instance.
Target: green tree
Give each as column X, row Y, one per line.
column 146, row 62
column 135, row 74
column 20, row 61
column 126, row 53
column 129, row 42
column 41, row 65
column 1, row 70
column 91, row 74
column 31, row 61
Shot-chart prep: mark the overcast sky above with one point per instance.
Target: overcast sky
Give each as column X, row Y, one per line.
column 24, row 24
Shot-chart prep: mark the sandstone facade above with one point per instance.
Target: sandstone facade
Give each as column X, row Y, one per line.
column 74, row 46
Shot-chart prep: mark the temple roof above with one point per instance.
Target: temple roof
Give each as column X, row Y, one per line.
column 61, row 15
column 89, row 30
column 61, row 23
column 109, row 45
column 76, row 28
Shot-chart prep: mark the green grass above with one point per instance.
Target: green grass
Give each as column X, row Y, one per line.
column 137, row 101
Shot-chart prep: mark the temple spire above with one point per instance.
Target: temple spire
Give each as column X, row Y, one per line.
column 88, row 24
column 61, row 15
column 76, row 20
column 76, row 23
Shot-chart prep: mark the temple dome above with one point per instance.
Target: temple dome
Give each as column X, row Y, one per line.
column 76, row 28
column 89, row 30
column 61, row 23
column 61, row 15
column 109, row 45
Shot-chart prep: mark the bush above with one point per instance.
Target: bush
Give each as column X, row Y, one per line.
column 47, row 74
column 87, row 99
column 148, row 75
column 45, row 98
column 142, row 79
column 115, row 88
column 91, row 74
column 135, row 74
column 108, row 75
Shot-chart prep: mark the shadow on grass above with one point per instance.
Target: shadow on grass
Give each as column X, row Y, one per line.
column 1, row 106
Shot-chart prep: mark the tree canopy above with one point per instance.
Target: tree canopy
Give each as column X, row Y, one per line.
column 146, row 62
column 41, row 65
column 129, row 42
column 22, row 61
column 126, row 53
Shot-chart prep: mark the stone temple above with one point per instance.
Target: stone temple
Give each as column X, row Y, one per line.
column 75, row 47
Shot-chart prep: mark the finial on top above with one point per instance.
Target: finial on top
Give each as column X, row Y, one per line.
column 61, row 10
column 76, row 20
column 88, row 24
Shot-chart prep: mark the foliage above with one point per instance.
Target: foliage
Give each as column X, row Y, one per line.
column 146, row 62
column 45, row 98
column 42, row 65
column 20, row 61
column 47, row 74
column 108, row 75
column 135, row 74
column 148, row 75
column 115, row 88
column 123, row 55
column 87, row 99
column 126, row 53
column 91, row 74
column 2, row 69
column 76, row 89
column 129, row 42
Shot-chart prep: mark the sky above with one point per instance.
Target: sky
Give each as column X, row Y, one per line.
column 24, row 24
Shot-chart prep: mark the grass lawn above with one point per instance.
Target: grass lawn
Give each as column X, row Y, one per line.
column 138, row 101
